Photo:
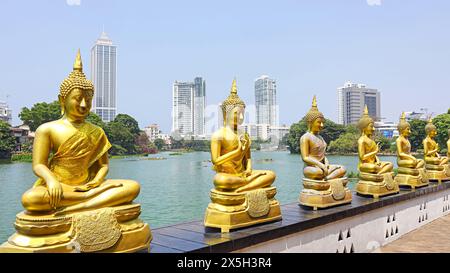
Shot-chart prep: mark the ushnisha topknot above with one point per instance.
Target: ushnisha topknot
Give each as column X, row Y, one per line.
column 76, row 79
column 430, row 126
column 313, row 113
column 232, row 101
column 403, row 124
column 365, row 119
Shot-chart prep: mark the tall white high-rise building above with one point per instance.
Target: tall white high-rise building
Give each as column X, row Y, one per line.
column 266, row 101
column 188, row 107
column 5, row 112
column 199, row 106
column 351, row 100
column 103, row 76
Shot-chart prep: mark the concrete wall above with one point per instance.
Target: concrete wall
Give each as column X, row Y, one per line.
column 365, row 232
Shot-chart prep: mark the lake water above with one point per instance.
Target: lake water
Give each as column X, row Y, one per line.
column 173, row 190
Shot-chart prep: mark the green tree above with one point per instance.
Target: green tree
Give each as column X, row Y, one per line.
column 129, row 122
column 118, row 134
column 159, row 143
column 417, row 134
column 448, row 112
column 40, row 113
column 7, row 140
column 330, row 132
column 346, row 143
column 442, row 123
column 384, row 142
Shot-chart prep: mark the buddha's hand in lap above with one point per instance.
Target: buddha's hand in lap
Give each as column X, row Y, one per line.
column 95, row 184
column 55, row 192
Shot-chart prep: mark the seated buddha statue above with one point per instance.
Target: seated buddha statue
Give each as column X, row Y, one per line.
column 435, row 163
column 70, row 158
column 448, row 153
column 376, row 176
column 242, row 196
column 324, row 183
column 411, row 172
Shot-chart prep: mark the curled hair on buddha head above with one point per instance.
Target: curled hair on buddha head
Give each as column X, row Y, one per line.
column 403, row 124
column 313, row 113
column 76, row 79
column 365, row 119
column 231, row 102
column 430, row 126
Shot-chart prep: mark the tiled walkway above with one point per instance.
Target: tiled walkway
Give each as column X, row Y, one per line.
column 431, row 238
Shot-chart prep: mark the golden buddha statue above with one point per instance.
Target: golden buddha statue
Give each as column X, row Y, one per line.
column 376, row 177
column 436, row 165
column 242, row 196
column 411, row 172
column 72, row 204
column 324, row 185
column 448, row 153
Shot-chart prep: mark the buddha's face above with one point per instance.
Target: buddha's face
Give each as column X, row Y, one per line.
column 432, row 133
column 369, row 129
column 317, row 125
column 77, row 103
column 406, row 132
column 236, row 116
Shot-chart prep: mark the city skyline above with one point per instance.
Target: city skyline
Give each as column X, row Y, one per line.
column 398, row 48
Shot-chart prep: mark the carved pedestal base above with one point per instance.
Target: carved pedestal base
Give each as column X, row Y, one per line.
column 323, row 194
column 379, row 185
column 439, row 175
column 116, row 229
column 236, row 210
column 412, row 181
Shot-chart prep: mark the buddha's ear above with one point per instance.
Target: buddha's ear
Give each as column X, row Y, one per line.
column 61, row 104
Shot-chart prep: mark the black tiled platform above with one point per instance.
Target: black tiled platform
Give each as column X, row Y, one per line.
column 194, row 237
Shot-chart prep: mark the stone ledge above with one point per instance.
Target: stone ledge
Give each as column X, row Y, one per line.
column 194, row 237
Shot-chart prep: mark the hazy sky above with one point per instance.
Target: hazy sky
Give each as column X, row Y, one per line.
column 310, row 47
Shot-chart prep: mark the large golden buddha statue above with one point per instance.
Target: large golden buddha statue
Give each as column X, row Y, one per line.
column 242, row 196
column 411, row 172
column 72, row 206
column 376, row 177
column 324, row 184
column 436, row 165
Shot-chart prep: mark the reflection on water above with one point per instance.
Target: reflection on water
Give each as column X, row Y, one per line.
column 174, row 189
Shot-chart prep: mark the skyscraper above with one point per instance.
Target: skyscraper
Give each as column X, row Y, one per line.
column 103, row 75
column 188, row 107
column 351, row 100
column 199, row 106
column 266, row 101
column 182, row 98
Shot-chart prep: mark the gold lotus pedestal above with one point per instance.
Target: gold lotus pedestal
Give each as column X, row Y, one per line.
column 438, row 173
column 377, row 185
column 115, row 229
column 324, row 194
column 412, row 178
column 231, row 210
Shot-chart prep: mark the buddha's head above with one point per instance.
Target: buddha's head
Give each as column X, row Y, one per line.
column 76, row 92
column 315, row 118
column 430, row 129
column 366, row 124
column 233, row 109
column 404, row 128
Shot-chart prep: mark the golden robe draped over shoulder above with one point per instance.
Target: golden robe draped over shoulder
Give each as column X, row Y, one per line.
column 73, row 163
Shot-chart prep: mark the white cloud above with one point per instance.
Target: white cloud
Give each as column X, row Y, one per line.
column 73, row 2
column 374, row 2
